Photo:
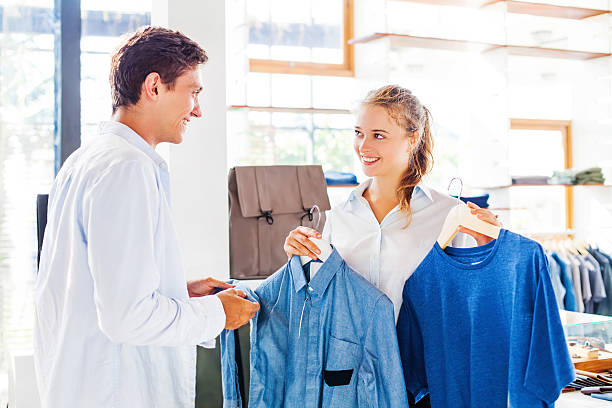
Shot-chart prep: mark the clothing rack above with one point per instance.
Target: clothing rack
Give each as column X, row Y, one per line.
column 580, row 271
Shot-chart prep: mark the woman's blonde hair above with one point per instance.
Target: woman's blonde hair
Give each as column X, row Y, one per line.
column 408, row 112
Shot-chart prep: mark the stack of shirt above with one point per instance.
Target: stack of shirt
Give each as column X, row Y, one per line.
column 337, row 178
column 563, row 177
column 590, row 176
column 593, row 175
column 529, row 180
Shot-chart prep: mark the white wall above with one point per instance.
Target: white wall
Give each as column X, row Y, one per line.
column 198, row 166
column 592, row 146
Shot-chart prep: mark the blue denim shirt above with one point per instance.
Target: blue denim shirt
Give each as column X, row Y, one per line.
column 330, row 342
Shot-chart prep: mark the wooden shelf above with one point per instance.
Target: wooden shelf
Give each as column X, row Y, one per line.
column 405, row 40
column 542, row 185
column 456, row 3
column 523, row 7
column 287, row 109
column 412, row 41
column 541, row 52
column 551, row 10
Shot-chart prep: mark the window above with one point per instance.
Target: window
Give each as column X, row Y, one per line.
column 293, row 119
column 292, row 137
column 26, row 162
column 306, row 37
column 27, row 106
column 539, row 147
column 103, row 23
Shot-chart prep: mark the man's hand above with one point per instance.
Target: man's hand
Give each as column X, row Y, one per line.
column 204, row 287
column 238, row 311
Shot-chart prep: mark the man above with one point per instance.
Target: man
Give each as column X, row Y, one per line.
column 116, row 324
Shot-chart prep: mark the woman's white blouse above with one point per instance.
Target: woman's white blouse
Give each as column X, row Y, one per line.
column 387, row 254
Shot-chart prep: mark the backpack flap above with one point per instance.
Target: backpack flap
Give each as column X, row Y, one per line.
column 268, row 189
column 313, row 188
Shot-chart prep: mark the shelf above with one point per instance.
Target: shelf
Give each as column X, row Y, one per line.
column 457, row 3
column 527, row 51
column 541, row 185
column 523, row 7
column 551, row 10
column 405, row 40
column 287, row 109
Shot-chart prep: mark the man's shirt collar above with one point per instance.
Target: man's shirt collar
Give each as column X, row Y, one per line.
column 133, row 138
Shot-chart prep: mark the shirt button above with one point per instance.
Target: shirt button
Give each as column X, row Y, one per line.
column 310, row 289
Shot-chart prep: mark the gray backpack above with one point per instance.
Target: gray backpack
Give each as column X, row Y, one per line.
column 265, row 204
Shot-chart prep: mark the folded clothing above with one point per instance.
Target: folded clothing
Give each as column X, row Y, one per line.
column 335, row 178
column 593, row 175
column 563, row 177
column 606, row 396
column 530, row 179
column 480, row 200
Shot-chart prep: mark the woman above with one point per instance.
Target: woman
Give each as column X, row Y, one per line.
column 389, row 222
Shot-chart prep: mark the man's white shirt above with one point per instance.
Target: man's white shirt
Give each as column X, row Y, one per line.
column 115, row 326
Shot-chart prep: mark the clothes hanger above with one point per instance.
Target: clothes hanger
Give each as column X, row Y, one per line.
column 322, row 244
column 461, row 216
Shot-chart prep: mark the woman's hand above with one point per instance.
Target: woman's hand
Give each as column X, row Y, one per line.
column 297, row 243
column 485, row 215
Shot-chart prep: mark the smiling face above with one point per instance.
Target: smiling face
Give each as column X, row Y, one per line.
column 384, row 148
column 178, row 105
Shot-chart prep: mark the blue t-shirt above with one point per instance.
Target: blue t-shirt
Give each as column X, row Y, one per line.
column 479, row 327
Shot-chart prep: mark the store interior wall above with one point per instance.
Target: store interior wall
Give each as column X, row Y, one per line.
column 198, row 166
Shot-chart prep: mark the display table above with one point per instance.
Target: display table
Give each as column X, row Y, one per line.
column 596, row 331
column 578, row 400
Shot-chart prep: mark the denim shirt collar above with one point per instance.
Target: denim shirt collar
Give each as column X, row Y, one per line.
column 323, row 276
column 133, row 138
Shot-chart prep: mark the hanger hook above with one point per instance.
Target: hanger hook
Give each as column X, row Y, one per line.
column 461, row 188
column 316, row 207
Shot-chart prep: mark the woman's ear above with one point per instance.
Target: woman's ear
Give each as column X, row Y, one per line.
column 413, row 139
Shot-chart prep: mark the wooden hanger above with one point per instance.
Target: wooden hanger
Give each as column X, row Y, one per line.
column 323, row 245
column 461, row 216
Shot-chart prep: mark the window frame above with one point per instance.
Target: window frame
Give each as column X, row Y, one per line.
column 565, row 127
column 347, row 68
column 67, row 80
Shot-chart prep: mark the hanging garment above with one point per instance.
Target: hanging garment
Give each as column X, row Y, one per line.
column 576, row 279
column 605, row 306
column 585, row 283
column 479, row 327
column 598, row 291
column 555, row 277
column 566, row 278
column 330, row 342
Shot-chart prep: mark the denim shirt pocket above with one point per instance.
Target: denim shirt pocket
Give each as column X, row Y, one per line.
column 340, row 373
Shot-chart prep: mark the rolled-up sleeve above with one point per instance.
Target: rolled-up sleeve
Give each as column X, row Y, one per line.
column 121, row 215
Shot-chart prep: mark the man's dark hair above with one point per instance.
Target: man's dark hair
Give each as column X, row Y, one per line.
column 151, row 49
